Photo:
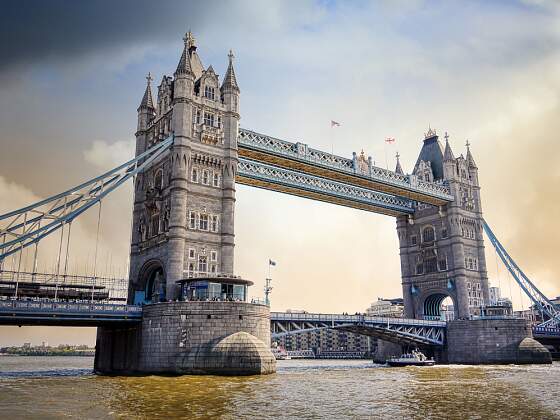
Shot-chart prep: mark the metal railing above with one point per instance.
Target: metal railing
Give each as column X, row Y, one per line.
column 294, row 316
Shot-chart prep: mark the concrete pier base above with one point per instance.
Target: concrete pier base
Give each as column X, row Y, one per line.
column 223, row 338
column 493, row 341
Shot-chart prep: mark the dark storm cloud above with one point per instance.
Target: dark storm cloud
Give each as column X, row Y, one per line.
column 33, row 31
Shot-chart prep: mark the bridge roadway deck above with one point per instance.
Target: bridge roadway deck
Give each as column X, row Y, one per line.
column 23, row 312
column 398, row 330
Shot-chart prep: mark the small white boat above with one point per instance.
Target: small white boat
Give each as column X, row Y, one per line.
column 416, row 358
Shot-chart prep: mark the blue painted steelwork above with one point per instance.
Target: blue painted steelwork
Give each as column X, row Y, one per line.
column 28, row 312
column 402, row 330
column 536, row 296
column 24, row 227
column 300, row 181
column 301, row 152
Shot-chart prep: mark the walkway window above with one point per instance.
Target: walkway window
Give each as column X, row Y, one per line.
column 428, row 234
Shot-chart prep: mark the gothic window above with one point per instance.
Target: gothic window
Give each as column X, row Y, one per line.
column 413, row 240
column 209, row 119
column 219, row 122
column 419, row 265
column 214, row 223
column 203, row 222
column 191, row 253
column 443, row 263
column 194, row 175
column 205, row 177
column 155, row 224
column 213, row 268
column 209, row 92
column 202, row 264
column 444, row 232
column 192, row 220
column 158, row 183
column 191, row 269
column 198, row 116
column 213, row 256
column 216, row 180
column 428, row 235
column 431, row 265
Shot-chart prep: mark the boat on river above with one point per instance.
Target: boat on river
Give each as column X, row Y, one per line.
column 416, row 358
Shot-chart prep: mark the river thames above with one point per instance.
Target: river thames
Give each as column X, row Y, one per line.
column 57, row 387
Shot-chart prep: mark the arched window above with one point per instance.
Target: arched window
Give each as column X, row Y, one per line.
column 428, row 235
column 202, row 264
column 203, row 223
column 158, row 183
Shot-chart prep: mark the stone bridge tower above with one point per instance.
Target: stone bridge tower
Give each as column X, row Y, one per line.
column 184, row 204
column 442, row 249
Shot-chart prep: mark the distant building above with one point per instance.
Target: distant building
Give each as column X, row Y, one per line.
column 26, row 345
column 386, row 307
column 327, row 341
column 494, row 296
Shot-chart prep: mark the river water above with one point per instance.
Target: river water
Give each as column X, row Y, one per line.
column 64, row 387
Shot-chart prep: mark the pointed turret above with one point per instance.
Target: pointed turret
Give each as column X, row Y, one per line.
column 470, row 161
column 448, row 154
column 184, row 67
column 398, row 169
column 230, row 82
column 147, row 100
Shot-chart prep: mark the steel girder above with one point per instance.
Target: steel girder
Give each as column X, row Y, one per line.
column 275, row 178
column 399, row 330
column 28, row 225
column 355, row 172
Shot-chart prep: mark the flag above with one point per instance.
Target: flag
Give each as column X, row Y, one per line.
column 334, row 124
column 272, row 263
column 389, row 140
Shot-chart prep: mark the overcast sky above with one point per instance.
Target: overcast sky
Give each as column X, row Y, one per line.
column 72, row 75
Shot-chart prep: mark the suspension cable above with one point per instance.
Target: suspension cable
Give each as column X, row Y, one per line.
column 96, row 247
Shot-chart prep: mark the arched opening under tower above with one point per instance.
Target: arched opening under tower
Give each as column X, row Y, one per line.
column 439, row 306
column 153, row 283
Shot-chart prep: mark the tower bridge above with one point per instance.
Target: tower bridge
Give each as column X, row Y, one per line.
column 190, row 153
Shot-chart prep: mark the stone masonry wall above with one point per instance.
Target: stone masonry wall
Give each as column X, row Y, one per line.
column 492, row 341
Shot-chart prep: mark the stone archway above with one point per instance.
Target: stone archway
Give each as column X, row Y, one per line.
column 432, row 307
column 152, row 280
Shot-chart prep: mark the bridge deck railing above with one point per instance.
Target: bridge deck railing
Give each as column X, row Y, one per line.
column 63, row 307
column 280, row 316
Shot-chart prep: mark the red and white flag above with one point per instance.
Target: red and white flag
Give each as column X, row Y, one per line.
column 389, row 140
column 334, row 124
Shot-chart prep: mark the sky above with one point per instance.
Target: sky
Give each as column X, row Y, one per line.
column 72, row 75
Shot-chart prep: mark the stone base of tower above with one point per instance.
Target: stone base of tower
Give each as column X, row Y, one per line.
column 493, row 341
column 221, row 338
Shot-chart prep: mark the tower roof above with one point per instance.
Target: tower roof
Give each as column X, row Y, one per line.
column 432, row 151
column 470, row 160
column 147, row 100
column 448, row 154
column 398, row 169
column 184, row 66
column 229, row 80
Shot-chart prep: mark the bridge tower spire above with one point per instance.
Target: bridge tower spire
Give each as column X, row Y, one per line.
column 183, row 224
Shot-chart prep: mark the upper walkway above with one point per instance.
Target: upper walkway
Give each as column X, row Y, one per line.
column 358, row 171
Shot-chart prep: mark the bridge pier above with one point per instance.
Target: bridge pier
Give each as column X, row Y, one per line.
column 224, row 338
column 493, row 341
